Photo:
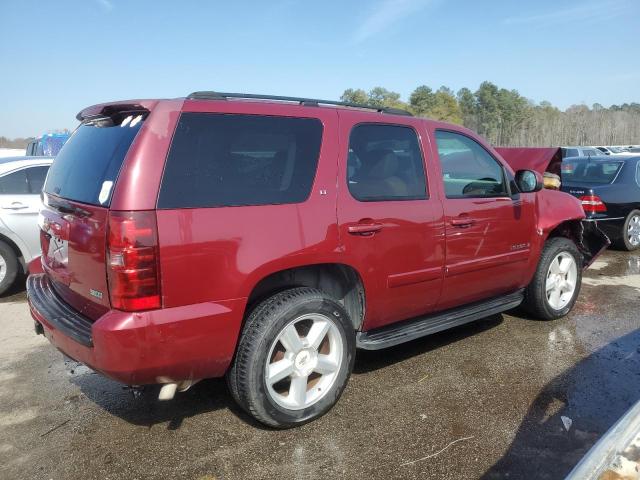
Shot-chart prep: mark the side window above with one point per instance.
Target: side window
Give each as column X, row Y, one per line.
column 14, row 183
column 385, row 163
column 36, row 177
column 468, row 170
column 220, row 160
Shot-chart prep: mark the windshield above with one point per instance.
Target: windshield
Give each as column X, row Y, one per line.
column 574, row 171
column 89, row 162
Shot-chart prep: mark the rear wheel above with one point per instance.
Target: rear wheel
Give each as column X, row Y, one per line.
column 294, row 358
column 8, row 267
column 556, row 284
column 630, row 238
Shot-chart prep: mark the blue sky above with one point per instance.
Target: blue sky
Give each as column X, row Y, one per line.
column 58, row 57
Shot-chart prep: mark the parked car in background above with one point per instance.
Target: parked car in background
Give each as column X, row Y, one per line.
column 609, row 189
column 580, row 152
column 266, row 238
column 21, row 181
column 614, row 150
column 48, row 145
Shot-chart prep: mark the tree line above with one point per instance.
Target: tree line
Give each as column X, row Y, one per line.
column 506, row 118
column 14, row 142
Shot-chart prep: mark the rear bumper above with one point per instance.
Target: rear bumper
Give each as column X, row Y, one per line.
column 157, row 346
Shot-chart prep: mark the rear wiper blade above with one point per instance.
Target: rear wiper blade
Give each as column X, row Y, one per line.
column 66, row 207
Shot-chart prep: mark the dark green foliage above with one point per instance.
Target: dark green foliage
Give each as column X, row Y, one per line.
column 507, row 118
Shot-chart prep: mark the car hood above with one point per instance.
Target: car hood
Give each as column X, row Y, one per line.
column 532, row 158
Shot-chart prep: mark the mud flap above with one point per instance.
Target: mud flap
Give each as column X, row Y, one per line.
column 591, row 241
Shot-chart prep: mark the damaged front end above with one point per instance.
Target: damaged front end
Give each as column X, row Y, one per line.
column 591, row 241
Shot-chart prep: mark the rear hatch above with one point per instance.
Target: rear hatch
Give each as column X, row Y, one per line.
column 75, row 216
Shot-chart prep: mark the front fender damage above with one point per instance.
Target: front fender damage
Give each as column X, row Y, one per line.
column 560, row 214
column 590, row 240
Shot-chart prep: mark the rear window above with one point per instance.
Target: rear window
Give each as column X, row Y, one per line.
column 570, row 152
column 220, row 160
column 88, row 164
column 590, row 172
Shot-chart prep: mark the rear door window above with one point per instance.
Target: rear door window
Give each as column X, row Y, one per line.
column 14, row 183
column 219, row 160
column 88, row 164
column 385, row 163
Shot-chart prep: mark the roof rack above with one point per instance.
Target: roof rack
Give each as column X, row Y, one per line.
column 309, row 102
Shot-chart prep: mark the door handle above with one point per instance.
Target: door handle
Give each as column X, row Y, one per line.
column 364, row 229
column 15, row 206
column 462, row 222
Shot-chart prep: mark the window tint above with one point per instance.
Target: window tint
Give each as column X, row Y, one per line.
column 385, row 163
column 36, row 177
column 220, row 160
column 468, row 170
column 14, row 183
column 89, row 162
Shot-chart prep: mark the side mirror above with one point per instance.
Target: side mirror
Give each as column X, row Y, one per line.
column 529, row 181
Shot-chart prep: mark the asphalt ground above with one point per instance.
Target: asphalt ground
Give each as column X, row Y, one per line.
column 504, row 397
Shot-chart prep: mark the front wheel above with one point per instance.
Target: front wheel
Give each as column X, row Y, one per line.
column 294, row 358
column 556, row 284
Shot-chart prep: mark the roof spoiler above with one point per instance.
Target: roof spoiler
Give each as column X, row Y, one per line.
column 108, row 110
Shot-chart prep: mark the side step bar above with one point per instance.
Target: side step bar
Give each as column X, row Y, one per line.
column 422, row 326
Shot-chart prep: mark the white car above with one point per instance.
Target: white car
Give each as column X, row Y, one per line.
column 21, row 181
column 614, row 150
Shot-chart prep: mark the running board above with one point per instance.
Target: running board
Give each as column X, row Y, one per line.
column 396, row 334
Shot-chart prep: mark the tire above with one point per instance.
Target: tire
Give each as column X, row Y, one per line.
column 280, row 329
column 8, row 267
column 630, row 235
column 539, row 301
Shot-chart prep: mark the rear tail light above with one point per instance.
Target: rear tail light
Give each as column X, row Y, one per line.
column 132, row 261
column 593, row 204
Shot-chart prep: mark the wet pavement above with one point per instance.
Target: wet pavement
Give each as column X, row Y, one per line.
column 505, row 397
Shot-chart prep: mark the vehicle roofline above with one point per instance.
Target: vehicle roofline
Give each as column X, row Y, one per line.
column 150, row 104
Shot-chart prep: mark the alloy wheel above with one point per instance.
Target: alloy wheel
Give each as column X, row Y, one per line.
column 561, row 280
column 3, row 268
column 304, row 361
column 633, row 230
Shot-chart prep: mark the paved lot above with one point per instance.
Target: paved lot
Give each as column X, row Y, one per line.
column 493, row 392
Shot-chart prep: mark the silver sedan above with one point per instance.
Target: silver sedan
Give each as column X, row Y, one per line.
column 21, row 181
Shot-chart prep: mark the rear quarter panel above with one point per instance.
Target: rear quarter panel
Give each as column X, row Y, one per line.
column 222, row 253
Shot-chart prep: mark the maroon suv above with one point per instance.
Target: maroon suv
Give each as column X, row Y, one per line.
column 267, row 238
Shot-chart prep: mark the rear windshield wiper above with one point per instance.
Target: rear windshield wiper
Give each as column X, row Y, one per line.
column 66, row 207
